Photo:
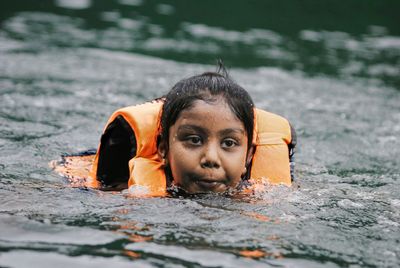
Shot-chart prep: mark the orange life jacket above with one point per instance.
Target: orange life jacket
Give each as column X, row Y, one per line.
column 270, row 160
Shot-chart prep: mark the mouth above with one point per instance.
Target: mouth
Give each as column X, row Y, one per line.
column 211, row 184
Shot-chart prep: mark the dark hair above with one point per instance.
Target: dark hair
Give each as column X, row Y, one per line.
column 206, row 87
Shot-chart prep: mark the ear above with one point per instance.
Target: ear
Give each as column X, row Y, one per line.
column 162, row 149
column 249, row 157
column 250, row 154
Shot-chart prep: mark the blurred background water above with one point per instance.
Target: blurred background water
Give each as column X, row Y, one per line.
column 330, row 67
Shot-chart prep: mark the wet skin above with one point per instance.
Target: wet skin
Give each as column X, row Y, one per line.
column 207, row 148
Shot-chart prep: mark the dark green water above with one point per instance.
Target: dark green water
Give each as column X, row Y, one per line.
column 331, row 67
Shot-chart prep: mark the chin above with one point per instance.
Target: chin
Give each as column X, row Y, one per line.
column 208, row 187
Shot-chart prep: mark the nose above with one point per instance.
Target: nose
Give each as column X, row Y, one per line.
column 210, row 157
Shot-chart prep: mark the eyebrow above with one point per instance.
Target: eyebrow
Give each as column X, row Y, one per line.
column 191, row 128
column 201, row 130
column 232, row 130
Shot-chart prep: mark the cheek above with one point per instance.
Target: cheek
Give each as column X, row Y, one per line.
column 236, row 166
column 180, row 167
column 179, row 162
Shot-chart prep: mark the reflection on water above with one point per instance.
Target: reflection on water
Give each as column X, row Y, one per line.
column 363, row 44
column 66, row 65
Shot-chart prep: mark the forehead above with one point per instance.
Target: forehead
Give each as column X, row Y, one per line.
column 215, row 112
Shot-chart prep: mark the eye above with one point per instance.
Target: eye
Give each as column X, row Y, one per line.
column 229, row 143
column 194, row 140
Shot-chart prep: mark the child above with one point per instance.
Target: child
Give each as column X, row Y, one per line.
column 204, row 136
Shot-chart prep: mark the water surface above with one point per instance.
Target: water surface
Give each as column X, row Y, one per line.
column 65, row 66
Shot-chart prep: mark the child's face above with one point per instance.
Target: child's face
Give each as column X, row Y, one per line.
column 207, row 148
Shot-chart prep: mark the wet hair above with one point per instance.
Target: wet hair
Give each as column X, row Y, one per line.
column 207, row 87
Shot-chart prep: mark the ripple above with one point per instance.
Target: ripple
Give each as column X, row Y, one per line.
column 19, row 229
column 25, row 258
column 208, row 258
column 346, row 203
column 74, row 4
